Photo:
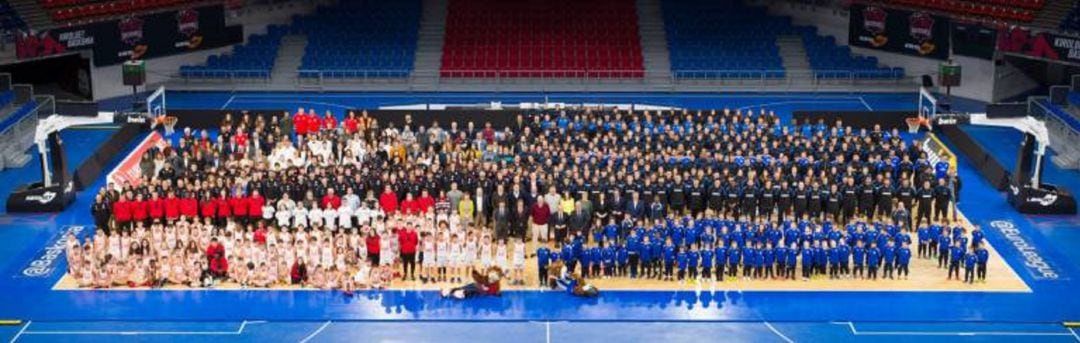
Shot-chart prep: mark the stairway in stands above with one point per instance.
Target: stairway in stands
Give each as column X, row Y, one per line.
column 1053, row 13
column 289, row 57
column 793, row 54
column 31, row 12
column 654, row 49
column 429, row 47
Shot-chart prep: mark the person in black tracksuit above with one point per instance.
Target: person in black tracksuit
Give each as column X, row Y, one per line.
column 866, row 198
column 802, row 200
column 677, row 196
column 768, row 201
column 942, row 199
column 750, row 201
column 850, row 199
column 734, row 194
column 885, row 195
column 832, row 203
column 815, row 202
column 696, row 198
column 784, row 202
column 716, row 198
column 905, row 193
column 925, row 197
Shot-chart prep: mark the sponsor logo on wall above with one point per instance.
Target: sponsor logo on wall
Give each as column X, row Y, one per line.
column 1045, row 45
column 187, row 23
column 900, row 31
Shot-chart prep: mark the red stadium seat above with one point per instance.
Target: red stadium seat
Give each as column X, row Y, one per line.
column 990, row 10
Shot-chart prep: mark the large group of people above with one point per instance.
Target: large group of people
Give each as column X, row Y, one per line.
column 311, row 200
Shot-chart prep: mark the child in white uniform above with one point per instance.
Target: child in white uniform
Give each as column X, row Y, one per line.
column 519, row 262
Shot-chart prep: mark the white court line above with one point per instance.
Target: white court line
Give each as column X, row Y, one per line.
column 855, row 332
column 854, row 99
column 778, row 333
column 1074, row 334
column 865, row 103
column 316, row 333
column 21, row 331
column 239, row 331
column 548, row 331
column 231, row 97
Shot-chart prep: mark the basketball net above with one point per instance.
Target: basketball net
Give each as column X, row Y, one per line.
column 169, row 123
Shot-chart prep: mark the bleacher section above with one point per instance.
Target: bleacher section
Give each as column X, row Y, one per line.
column 1072, row 20
column 89, row 10
column 370, row 38
column 542, row 39
column 831, row 61
column 710, row 39
column 1022, row 11
column 1063, row 126
column 254, row 59
column 9, row 19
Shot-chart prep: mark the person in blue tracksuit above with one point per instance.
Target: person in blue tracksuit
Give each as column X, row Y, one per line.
column 707, row 255
column 843, row 255
column 858, row 258
column 657, row 253
column 681, row 260
column 566, row 254
column 622, row 259
column 934, row 247
column 768, row 260
column 956, row 256
column 833, row 253
column 749, row 254
column 970, row 260
column 888, row 256
column 720, row 254
column 587, row 261
column 607, row 256
column 873, row 260
column 807, row 260
column 542, row 259
column 669, row 260
column 693, row 260
column 977, row 236
column 982, row 256
column 944, row 248
column 634, row 254
column 924, row 241
column 734, row 258
column 903, row 259
column 821, row 258
column 790, row 260
column 780, row 254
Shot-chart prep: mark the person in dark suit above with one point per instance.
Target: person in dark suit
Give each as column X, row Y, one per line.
column 579, row 222
column 560, row 222
column 635, row 208
column 500, row 219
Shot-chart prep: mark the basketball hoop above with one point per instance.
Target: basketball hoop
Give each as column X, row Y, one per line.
column 914, row 123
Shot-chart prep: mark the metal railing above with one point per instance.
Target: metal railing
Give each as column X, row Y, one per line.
column 1064, row 130
column 353, row 73
column 17, row 130
column 225, row 74
column 543, row 74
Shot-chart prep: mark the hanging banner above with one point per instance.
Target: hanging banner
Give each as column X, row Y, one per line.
column 1044, row 45
column 137, row 37
column 906, row 32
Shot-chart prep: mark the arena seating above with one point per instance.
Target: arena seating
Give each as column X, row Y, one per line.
column 997, row 10
column 542, row 38
column 360, row 39
column 1072, row 20
column 254, row 59
column 709, row 39
column 73, row 10
column 830, row 61
column 9, row 19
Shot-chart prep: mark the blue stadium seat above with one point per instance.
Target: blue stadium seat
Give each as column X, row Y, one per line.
column 360, row 39
column 711, row 39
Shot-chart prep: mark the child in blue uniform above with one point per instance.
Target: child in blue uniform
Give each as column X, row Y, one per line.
column 790, row 260
column 749, row 264
column 542, row 259
column 834, row 260
column 586, row 259
column 734, row 258
column 669, row 261
column 924, row 241
column 720, row 253
column 597, row 258
column 858, row 258
column 888, row 254
column 693, row 257
column 903, row 259
column 681, row 259
column 944, row 247
column 934, row 245
column 607, row 256
column 969, row 266
column 566, row 254
column 981, row 256
column 873, row 260
column 657, row 258
column 707, row 254
column 821, row 258
column 956, row 256
column 807, row 257
column 843, row 256
column 768, row 261
column 622, row 258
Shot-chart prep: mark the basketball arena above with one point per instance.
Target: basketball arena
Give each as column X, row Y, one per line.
column 539, row 171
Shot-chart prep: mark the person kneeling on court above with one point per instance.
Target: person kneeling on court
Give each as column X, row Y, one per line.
column 561, row 279
column 486, row 283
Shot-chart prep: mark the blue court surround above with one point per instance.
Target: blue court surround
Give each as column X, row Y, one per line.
column 759, row 316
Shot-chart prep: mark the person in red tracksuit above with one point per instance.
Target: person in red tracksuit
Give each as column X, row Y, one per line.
column 223, row 209
column 189, row 207
column 215, row 254
column 255, row 206
column 407, row 241
column 156, row 206
column 388, row 200
column 373, row 248
column 329, row 122
column 425, row 202
column 172, row 207
column 409, row 206
column 122, row 212
column 239, row 204
column 300, row 122
column 139, row 210
column 331, row 200
column 207, row 207
column 351, row 125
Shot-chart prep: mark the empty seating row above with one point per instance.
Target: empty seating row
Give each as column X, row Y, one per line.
column 9, row 19
column 255, row 59
column 830, row 61
column 740, row 45
column 538, row 38
column 113, row 8
column 367, row 38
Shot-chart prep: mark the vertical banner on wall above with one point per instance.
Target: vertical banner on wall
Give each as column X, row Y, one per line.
column 912, row 33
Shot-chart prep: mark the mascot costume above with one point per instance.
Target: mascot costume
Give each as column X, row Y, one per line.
column 486, row 283
column 561, row 279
